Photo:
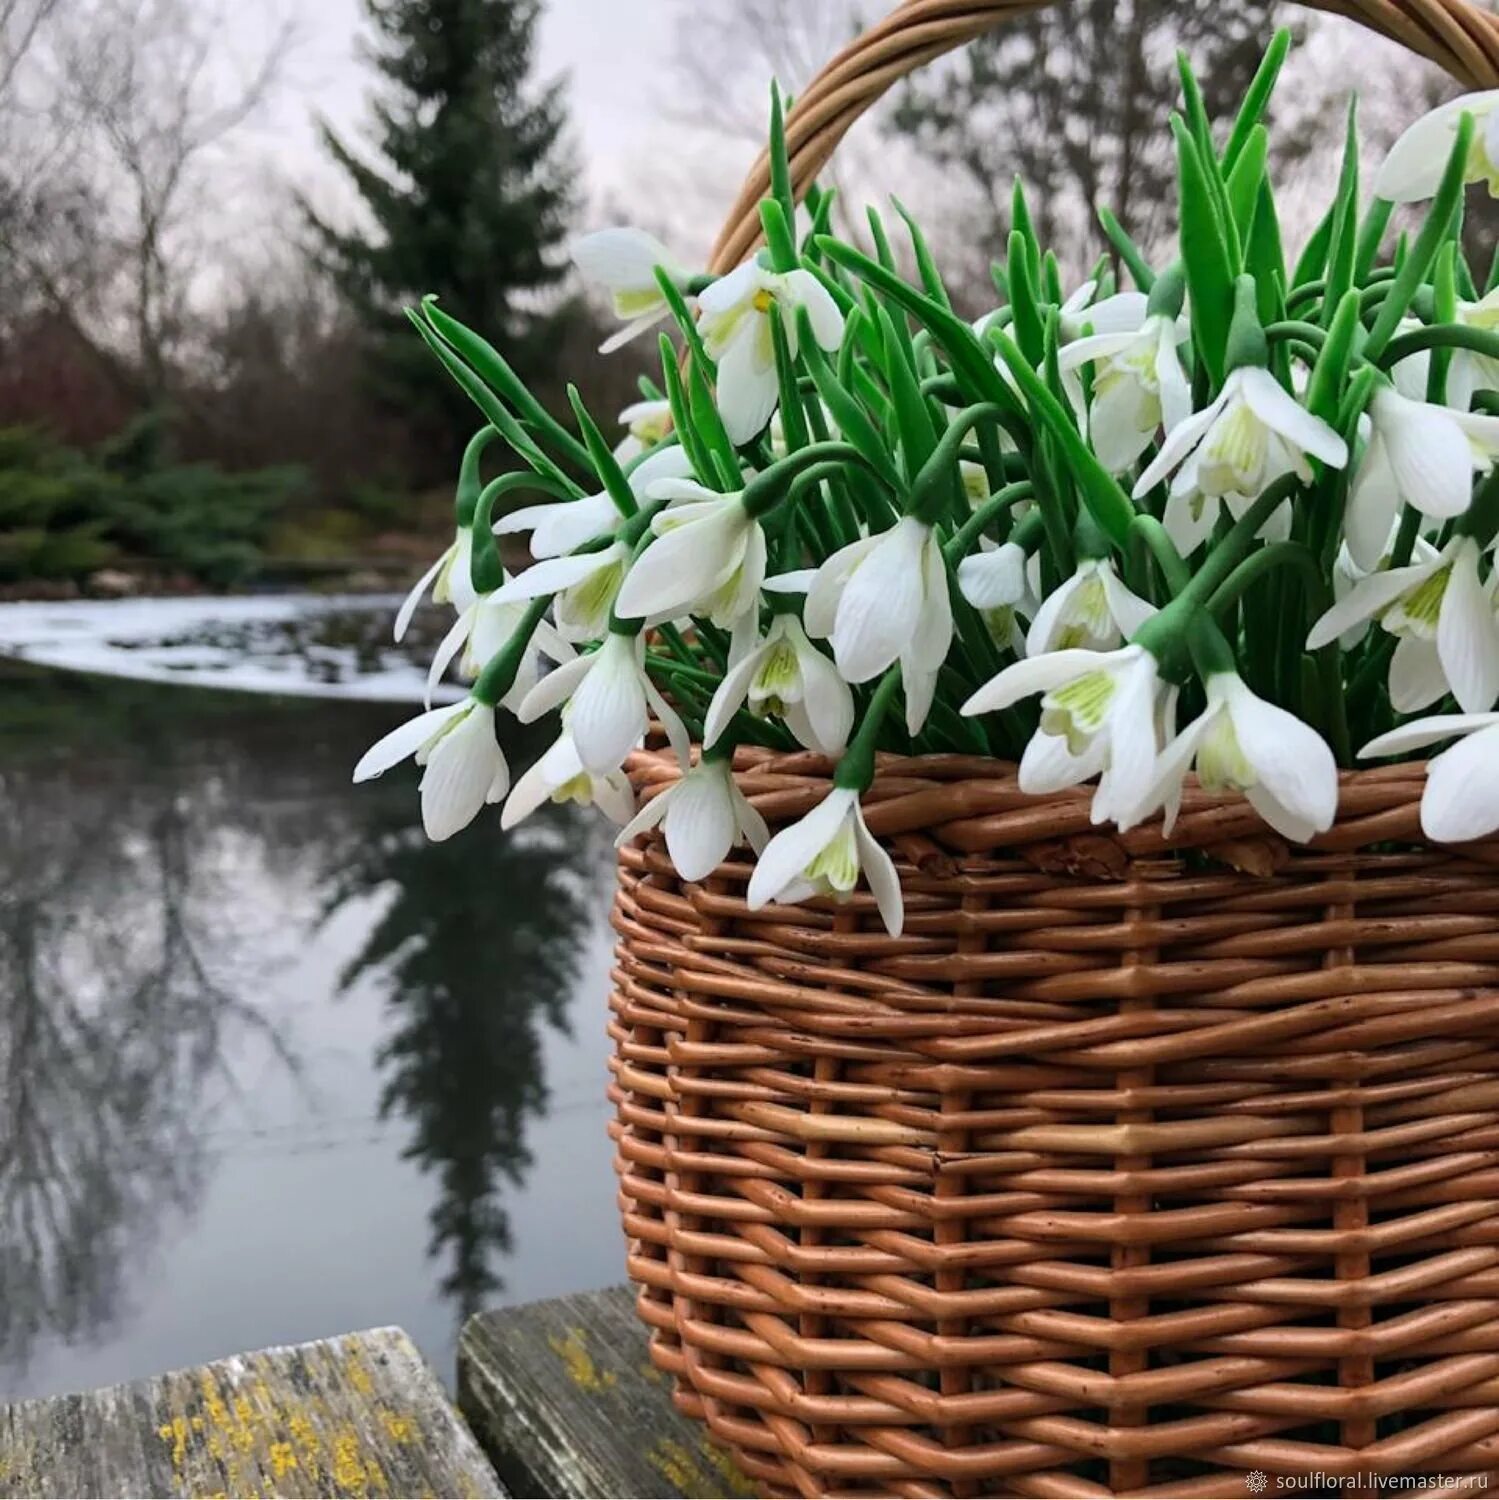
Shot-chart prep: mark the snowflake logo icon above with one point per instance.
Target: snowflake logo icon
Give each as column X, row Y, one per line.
column 1256, row 1482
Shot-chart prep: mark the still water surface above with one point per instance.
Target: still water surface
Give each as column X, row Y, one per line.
column 271, row 1065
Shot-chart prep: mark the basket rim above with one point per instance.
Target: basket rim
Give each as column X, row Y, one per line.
column 973, row 805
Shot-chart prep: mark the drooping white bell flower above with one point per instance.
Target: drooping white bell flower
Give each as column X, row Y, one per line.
column 610, row 698
column 1254, row 429
column 646, row 423
column 464, row 765
column 1242, row 743
column 559, row 776
column 1416, row 161
column 786, row 675
column 734, row 320
column 1469, row 370
column 708, row 557
column 884, row 599
column 1419, row 454
column 1190, row 516
column 1110, row 710
column 1461, row 798
column 1093, row 609
column 1138, row 388
column 562, row 526
column 1444, row 616
column 448, row 578
column 997, row 581
column 585, row 584
column 705, row 815
column 623, row 262
column 823, row 854
column 1120, row 312
column 480, row 632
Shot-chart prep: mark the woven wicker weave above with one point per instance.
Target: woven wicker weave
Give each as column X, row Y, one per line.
column 1134, row 1166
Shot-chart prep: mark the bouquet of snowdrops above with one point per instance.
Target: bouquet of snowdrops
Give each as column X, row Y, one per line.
column 1235, row 517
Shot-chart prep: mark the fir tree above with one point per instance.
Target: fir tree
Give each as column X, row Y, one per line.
column 470, row 189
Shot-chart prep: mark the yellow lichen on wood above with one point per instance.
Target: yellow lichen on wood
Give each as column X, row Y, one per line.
column 679, row 1467
column 726, row 1469
column 578, row 1362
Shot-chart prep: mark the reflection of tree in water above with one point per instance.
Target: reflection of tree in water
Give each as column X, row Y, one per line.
column 114, row 1010
column 480, row 950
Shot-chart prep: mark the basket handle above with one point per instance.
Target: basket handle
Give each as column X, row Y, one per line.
column 1456, row 34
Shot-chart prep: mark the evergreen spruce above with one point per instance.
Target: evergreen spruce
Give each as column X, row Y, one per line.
column 470, row 189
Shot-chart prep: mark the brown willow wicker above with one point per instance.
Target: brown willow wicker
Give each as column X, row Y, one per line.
column 1135, row 1166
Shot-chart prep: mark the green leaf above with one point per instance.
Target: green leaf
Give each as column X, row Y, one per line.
column 611, row 476
column 1446, row 203
column 1257, row 98
column 1264, row 257
column 681, row 411
column 849, row 416
column 1324, row 392
column 1245, row 181
column 1371, row 236
column 491, row 367
column 913, row 422
column 780, row 241
column 1342, row 249
column 780, row 164
column 1024, row 303
column 1127, row 250
column 1109, row 506
column 1022, row 224
column 1206, row 255
column 931, row 278
column 1313, row 261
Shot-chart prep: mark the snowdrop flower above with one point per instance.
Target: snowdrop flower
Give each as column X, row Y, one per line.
column 823, row 855
column 464, row 765
column 610, row 698
column 559, row 776
column 1417, row 160
column 1190, row 516
column 1253, row 430
column 623, row 262
column 704, row 815
column 1461, row 799
column 734, row 320
column 884, row 599
column 1471, row 371
column 708, row 556
column 1444, row 616
column 1100, row 712
column 646, row 423
column 786, row 675
column 482, row 631
column 585, row 584
column 1139, row 387
column 1093, row 609
column 1123, row 312
column 561, row 526
column 1420, row 454
column 997, row 582
column 448, row 578
column 1242, row 743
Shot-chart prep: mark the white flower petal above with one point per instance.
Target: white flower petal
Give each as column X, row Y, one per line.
column 728, row 291
column 1179, row 442
column 730, row 694
column 1283, row 413
column 555, row 688
column 827, row 699
column 880, row 609
column 1416, row 676
column 622, row 259
column 1292, row 761
column 1461, row 800
column 827, row 585
column 748, row 392
column 1048, row 766
column 1036, row 674
column 418, row 589
column 449, row 647
column 1428, row 453
column 879, row 871
column 796, row 846
column 1414, row 165
column 405, row 740
column 1373, row 502
column 1368, row 597
column 554, row 574
column 991, row 580
column 464, row 766
column 1129, row 610
column 1467, row 634
column 822, row 310
column 1420, row 733
column 700, row 824
column 671, row 721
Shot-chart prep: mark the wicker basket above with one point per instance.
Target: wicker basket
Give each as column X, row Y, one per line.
column 1134, row 1166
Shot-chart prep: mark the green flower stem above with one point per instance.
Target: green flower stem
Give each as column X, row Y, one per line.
column 1146, row 534
column 1266, row 560
column 1481, row 519
column 1026, row 533
column 1405, row 537
column 767, row 489
column 1440, row 336
column 1229, row 552
column 855, row 772
column 470, row 483
column 1294, row 331
column 932, row 488
column 498, row 675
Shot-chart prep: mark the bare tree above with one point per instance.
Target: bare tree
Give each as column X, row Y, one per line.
column 141, row 96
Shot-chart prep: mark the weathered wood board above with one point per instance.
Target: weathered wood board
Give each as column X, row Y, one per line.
column 566, row 1402
column 359, row 1416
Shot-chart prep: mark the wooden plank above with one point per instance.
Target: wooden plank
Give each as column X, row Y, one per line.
column 566, row 1402
column 359, row 1416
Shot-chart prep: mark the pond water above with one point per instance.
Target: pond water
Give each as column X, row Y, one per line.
column 272, row 1066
